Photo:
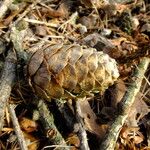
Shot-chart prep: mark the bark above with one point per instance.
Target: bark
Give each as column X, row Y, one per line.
column 48, row 123
column 7, row 78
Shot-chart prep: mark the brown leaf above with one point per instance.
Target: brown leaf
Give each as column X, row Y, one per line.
column 90, row 119
column 91, row 3
column 28, row 125
column 41, row 30
column 62, row 11
column 89, row 21
column 32, row 142
column 139, row 107
column 132, row 133
column 73, row 139
column 117, row 92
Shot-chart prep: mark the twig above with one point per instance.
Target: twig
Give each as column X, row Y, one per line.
column 17, row 129
column 41, row 22
column 56, row 146
column 75, row 122
column 7, row 78
column 81, row 132
column 4, row 7
column 128, row 99
column 48, row 122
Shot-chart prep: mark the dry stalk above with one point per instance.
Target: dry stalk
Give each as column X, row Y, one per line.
column 17, row 129
column 75, row 122
column 41, row 22
column 68, row 115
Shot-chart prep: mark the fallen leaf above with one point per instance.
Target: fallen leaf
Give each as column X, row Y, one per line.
column 32, row 142
column 117, row 92
column 140, row 108
column 28, row 125
column 73, row 139
column 90, row 3
column 132, row 134
column 90, row 118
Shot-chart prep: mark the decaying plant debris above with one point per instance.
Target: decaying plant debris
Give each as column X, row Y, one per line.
column 74, row 74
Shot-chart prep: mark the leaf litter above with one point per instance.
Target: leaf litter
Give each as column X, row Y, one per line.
column 120, row 29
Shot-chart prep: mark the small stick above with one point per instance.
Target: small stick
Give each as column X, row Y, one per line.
column 4, row 7
column 81, row 132
column 56, row 147
column 48, row 122
column 75, row 122
column 7, row 78
column 110, row 139
column 17, row 129
column 41, row 22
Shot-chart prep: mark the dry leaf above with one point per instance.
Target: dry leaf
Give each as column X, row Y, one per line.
column 28, row 125
column 40, row 30
column 101, row 43
column 62, row 11
column 73, row 139
column 90, row 118
column 89, row 21
column 32, row 142
column 139, row 107
column 131, row 133
column 91, row 3
column 117, row 92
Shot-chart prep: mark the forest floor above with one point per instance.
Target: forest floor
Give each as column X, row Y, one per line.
column 117, row 118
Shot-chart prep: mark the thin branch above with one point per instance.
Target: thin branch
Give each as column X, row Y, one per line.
column 81, row 132
column 41, row 22
column 48, row 122
column 128, row 99
column 68, row 115
column 7, row 78
column 17, row 129
column 56, row 147
column 75, row 122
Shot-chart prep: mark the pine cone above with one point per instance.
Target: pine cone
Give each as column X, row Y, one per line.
column 61, row 69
